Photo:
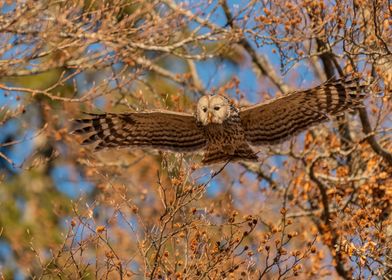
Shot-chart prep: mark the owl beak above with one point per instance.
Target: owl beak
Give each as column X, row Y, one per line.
column 209, row 117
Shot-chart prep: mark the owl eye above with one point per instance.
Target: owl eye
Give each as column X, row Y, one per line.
column 204, row 109
column 216, row 108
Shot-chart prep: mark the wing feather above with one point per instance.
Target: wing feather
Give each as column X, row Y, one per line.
column 165, row 130
column 275, row 121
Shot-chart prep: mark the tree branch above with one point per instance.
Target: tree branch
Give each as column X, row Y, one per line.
column 371, row 139
column 259, row 60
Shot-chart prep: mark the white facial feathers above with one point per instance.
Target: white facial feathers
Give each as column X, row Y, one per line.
column 212, row 109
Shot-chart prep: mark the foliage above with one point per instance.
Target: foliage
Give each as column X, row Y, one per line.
column 314, row 207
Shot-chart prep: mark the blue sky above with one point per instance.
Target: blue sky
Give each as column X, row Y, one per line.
column 212, row 73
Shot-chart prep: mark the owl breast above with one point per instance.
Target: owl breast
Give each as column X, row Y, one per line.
column 226, row 142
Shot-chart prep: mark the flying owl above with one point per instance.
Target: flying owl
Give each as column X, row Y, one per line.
column 220, row 129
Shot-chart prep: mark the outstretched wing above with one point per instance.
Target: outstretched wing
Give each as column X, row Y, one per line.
column 160, row 130
column 275, row 121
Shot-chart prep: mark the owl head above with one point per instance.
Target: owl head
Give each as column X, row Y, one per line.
column 214, row 109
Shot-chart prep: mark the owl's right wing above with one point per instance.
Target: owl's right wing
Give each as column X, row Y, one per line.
column 279, row 119
column 165, row 130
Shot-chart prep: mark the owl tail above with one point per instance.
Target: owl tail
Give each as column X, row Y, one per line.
column 218, row 154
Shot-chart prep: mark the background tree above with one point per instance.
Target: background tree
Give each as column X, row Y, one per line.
column 314, row 207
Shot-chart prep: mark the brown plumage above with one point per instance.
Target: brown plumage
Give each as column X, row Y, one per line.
column 160, row 130
column 223, row 131
column 275, row 121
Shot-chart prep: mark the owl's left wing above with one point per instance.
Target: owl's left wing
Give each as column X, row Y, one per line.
column 164, row 130
column 274, row 122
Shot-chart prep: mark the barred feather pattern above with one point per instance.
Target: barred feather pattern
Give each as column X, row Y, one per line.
column 226, row 142
column 160, row 130
column 276, row 121
column 222, row 131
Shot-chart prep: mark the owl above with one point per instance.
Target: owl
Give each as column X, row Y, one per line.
column 220, row 129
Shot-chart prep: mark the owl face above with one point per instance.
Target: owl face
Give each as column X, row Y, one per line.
column 213, row 109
